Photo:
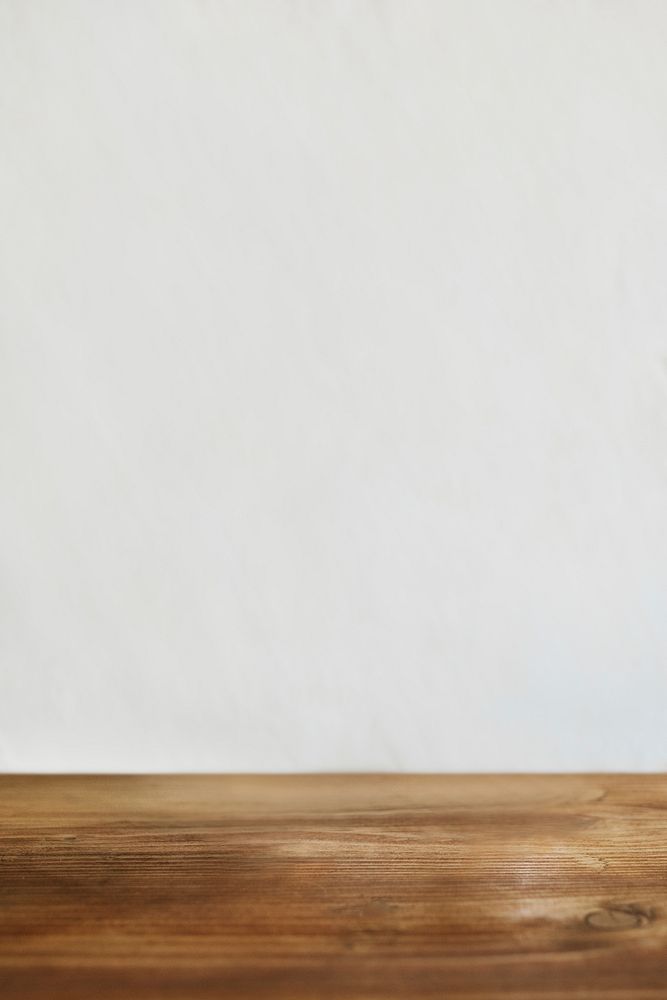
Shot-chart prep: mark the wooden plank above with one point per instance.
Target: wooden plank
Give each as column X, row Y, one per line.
column 366, row 887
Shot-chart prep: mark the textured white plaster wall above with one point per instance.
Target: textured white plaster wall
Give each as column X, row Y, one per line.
column 333, row 384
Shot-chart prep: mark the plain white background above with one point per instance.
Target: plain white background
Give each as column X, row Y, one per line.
column 333, row 384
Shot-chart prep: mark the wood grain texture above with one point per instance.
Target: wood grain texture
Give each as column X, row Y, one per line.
column 368, row 887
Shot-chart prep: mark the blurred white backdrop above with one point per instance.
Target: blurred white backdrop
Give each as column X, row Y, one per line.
column 333, row 385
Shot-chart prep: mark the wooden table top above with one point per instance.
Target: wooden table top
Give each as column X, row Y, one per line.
column 366, row 887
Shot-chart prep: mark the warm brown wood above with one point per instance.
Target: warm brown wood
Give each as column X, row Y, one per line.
column 314, row 888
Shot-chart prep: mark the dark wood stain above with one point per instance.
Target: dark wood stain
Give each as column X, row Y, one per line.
column 336, row 887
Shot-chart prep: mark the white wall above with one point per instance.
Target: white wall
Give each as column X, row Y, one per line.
column 333, row 384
